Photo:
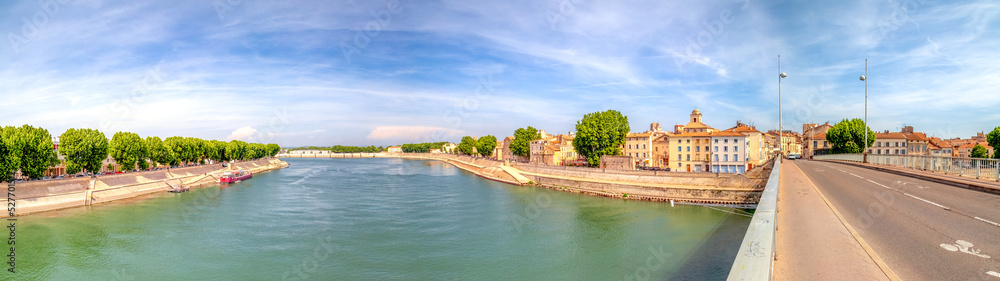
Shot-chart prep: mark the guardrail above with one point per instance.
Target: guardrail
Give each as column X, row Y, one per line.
column 980, row 168
column 755, row 260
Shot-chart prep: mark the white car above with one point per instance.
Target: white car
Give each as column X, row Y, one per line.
column 792, row 156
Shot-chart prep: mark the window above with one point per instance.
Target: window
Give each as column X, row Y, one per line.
column 689, row 157
column 716, row 157
column 726, row 141
column 725, row 148
column 630, row 146
column 689, row 141
column 643, row 146
column 736, row 158
column 735, row 141
column 736, row 149
column 678, row 149
column 697, row 149
column 716, row 141
column 689, row 148
column 726, row 157
column 716, row 149
column 815, row 144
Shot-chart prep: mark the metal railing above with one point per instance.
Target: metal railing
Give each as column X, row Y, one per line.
column 755, row 260
column 980, row 168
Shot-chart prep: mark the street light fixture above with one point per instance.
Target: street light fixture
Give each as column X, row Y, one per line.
column 780, row 128
column 864, row 151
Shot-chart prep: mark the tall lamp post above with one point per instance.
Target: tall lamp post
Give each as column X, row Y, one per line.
column 864, row 151
column 780, row 128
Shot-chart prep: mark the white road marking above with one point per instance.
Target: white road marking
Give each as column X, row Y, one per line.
column 928, row 201
column 856, row 175
column 964, row 247
column 987, row 221
column 993, row 273
column 879, row 184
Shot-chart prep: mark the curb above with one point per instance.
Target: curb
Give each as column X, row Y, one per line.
column 946, row 181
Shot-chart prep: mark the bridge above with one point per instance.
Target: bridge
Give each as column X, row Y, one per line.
column 875, row 217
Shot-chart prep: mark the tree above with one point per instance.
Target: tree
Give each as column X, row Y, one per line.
column 993, row 139
column 158, row 152
column 520, row 145
column 468, row 145
column 979, row 151
column 27, row 149
column 273, row 149
column 486, row 144
column 848, row 136
column 179, row 148
column 236, row 150
column 599, row 134
column 84, row 149
column 128, row 150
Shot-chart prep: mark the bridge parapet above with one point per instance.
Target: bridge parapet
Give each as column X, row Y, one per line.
column 755, row 260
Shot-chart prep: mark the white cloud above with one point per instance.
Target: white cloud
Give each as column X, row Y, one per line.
column 242, row 133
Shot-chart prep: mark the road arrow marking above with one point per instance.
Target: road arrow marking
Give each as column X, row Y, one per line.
column 994, row 273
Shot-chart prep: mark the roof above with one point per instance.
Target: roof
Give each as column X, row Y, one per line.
column 820, row 136
column 696, row 125
column 710, row 134
column 971, row 145
column 639, row 135
column 891, row 136
column 742, row 129
column 916, row 136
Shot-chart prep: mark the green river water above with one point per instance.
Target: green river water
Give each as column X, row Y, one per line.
column 377, row 219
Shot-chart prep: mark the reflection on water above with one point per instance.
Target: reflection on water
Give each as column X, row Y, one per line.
column 382, row 219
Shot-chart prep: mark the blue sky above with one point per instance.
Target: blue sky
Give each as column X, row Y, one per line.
column 388, row 72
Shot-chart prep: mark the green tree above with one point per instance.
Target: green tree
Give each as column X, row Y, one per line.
column 485, row 145
column 520, row 145
column 599, row 134
column 236, row 150
column 179, row 148
column 128, row 150
column 158, row 152
column 273, row 149
column 467, row 146
column 979, row 151
column 848, row 136
column 993, row 139
column 27, row 149
column 84, row 149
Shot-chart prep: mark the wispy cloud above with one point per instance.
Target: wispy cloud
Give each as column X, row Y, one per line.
column 280, row 67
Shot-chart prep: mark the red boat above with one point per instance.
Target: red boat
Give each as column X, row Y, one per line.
column 235, row 176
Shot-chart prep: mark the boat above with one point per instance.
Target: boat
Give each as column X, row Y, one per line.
column 235, row 176
column 179, row 189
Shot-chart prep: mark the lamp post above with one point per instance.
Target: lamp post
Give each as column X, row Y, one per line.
column 780, row 128
column 864, row 150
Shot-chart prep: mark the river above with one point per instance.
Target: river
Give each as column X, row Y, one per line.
column 378, row 219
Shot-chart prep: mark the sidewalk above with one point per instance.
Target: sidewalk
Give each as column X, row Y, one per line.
column 813, row 243
column 986, row 184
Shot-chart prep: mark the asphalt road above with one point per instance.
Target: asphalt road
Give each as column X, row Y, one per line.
column 923, row 230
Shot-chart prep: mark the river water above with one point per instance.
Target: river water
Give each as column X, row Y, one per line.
column 377, row 219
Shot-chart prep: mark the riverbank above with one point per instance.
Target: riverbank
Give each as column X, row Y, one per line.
column 48, row 195
column 734, row 190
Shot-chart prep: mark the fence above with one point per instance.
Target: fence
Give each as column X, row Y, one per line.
column 979, row 168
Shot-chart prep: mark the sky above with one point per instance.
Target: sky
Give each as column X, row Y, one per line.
column 323, row 73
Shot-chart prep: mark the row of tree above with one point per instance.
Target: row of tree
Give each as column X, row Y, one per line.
column 848, row 136
column 422, row 147
column 483, row 146
column 30, row 150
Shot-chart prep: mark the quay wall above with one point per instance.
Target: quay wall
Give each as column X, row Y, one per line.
column 48, row 195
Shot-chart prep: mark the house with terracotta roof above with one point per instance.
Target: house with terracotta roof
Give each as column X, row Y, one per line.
column 395, row 149
column 640, row 146
column 939, row 147
column 889, row 143
column 554, row 150
column 695, row 124
column 965, row 150
column 716, row 151
column 814, row 137
column 757, row 149
column 916, row 142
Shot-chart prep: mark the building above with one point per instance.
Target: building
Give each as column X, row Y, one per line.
column 449, row 148
column 889, row 143
column 695, row 125
column 814, row 139
column 757, row 150
column 729, row 152
column 661, row 152
column 498, row 151
column 791, row 143
column 553, row 150
column 966, row 149
column 917, row 143
column 394, row 149
column 640, row 146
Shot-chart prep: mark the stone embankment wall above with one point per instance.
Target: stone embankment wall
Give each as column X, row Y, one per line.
column 40, row 196
column 696, row 188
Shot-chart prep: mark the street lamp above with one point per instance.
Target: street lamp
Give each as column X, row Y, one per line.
column 864, row 151
column 780, row 128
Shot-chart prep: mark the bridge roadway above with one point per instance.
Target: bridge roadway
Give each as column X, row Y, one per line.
column 922, row 230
